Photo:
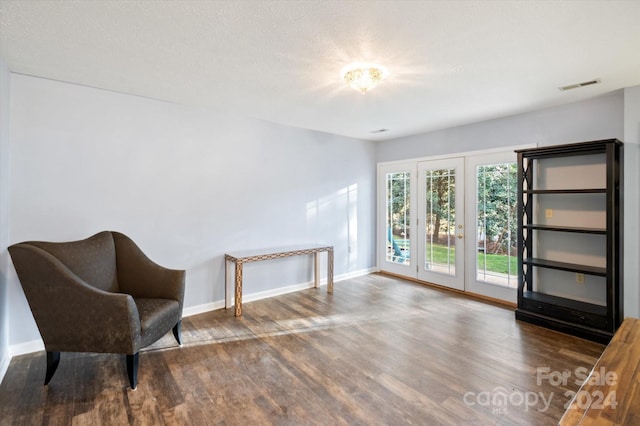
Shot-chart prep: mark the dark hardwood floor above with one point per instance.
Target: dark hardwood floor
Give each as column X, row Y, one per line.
column 379, row 351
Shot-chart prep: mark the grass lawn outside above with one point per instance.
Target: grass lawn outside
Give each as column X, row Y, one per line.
column 437, row 254
column 494, row 262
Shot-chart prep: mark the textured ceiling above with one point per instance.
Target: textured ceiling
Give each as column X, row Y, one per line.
column 450, row 62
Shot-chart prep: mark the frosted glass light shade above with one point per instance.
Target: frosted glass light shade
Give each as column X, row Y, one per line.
column 363, row 77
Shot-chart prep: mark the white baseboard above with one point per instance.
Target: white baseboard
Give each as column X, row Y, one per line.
column 38, row 345
column 200, row 309
column 26, row 347
column 4, row 365
column 355, row 274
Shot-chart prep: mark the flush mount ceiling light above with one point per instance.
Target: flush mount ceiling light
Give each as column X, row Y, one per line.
column 363, row 77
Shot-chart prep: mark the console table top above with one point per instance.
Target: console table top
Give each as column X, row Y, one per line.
column 276, row 252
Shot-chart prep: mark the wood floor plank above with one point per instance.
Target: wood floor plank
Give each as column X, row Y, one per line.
column 380, row 350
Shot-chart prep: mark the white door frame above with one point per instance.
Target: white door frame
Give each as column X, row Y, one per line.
column 471, row 285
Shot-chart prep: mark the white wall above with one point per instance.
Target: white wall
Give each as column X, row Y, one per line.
column 631, row 200
column 599, row 118
column 186, row 184
column 616, row 115
column 4, row 216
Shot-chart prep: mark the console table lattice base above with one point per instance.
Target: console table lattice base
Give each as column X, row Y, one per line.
column 239, row 259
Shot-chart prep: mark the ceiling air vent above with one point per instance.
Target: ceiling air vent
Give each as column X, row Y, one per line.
column 583, row 84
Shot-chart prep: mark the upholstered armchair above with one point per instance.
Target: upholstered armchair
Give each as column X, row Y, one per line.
column 101, row 294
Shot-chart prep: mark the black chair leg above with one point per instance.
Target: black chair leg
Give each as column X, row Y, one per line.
column 132, row 369
column 53, row 359
column 177, row 332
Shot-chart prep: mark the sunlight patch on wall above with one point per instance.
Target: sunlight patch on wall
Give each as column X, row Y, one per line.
column 337, row 211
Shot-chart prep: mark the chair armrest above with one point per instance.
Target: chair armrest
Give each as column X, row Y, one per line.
column 139, row 276
column 61, row 302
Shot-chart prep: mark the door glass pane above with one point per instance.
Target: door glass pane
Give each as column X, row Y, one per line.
column 496, row 224
column 440, row 221
column 398, row 238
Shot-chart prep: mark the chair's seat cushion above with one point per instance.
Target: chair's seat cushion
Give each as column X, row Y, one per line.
column 156, row 317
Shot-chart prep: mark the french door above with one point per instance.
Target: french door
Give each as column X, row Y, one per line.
column 440, row 222
column 492, row 191
column 396, row 233
column 451, row 222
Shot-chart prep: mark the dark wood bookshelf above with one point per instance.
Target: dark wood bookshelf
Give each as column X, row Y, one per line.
column 569, row 314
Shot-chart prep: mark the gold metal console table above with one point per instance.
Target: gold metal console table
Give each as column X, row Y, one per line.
column 253, row 256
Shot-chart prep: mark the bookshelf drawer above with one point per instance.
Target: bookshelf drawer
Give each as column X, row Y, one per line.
column 566, row 314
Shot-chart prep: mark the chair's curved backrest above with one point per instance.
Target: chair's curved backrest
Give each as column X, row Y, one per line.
column 93, row 260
